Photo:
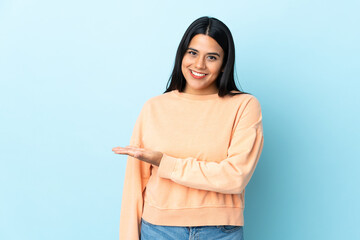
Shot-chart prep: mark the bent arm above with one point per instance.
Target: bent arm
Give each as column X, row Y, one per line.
column 231, row 175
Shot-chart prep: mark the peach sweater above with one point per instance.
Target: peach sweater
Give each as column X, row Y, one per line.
column 211, row 146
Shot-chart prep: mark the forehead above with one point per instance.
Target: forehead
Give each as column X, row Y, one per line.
column 205, row 43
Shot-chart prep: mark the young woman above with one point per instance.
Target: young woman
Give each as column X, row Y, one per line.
column 194, row 148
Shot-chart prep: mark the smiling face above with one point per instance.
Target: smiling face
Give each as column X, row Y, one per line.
column 201, row 65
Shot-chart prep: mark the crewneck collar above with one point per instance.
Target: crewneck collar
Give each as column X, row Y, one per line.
column 195, row 96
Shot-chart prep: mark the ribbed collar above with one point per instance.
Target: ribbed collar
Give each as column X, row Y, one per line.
column 195, row 96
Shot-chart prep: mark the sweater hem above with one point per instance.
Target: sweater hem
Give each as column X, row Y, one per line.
column 206, row 216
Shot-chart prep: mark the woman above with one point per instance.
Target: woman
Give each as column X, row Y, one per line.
column 194, row 148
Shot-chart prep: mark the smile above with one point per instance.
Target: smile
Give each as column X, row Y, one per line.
column 197, row 74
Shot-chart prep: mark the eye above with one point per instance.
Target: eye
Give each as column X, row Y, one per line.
column 212, row 58
column 192, row 52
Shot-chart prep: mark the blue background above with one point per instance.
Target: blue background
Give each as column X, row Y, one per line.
column 75, row 74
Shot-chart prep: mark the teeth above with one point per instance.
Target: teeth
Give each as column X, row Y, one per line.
column 198, row 74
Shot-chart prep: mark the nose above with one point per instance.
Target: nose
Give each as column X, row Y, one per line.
column 200, row 63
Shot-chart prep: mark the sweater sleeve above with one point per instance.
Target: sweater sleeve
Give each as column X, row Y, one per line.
column 230, row 175
column 137, row 174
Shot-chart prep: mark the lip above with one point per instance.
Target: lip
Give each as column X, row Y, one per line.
column 197, row 77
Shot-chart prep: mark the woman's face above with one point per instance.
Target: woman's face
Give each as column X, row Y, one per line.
column 201, row 65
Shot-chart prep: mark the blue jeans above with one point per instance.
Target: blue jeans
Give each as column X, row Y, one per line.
column 220, row 232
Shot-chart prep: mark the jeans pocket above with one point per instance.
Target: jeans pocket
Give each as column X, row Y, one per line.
column 229, row 228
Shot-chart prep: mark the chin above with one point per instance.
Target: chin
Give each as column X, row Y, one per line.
column 197, row 86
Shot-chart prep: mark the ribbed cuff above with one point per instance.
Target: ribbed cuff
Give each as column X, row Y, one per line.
column 167, row 166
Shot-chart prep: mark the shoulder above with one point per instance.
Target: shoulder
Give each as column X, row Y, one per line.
column 248, row 110
column 160, row 97
column 156, row 100
column 245, row 100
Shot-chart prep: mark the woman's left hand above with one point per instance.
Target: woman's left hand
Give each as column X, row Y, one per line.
column 152, row 157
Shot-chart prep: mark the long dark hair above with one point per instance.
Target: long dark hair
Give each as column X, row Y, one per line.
column 216, row 29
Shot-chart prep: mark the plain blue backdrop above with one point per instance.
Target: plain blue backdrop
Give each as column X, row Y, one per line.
column 75, row 74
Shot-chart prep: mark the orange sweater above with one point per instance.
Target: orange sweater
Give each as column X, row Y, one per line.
column 211, row 146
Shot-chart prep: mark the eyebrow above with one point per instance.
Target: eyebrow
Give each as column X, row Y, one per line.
column 212, row 53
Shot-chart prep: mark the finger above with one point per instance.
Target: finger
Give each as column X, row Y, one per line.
column 135, row 148
column 120, row 150
column 131, row 151
column 124, row 148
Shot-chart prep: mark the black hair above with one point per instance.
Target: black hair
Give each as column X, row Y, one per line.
column 216, row 29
